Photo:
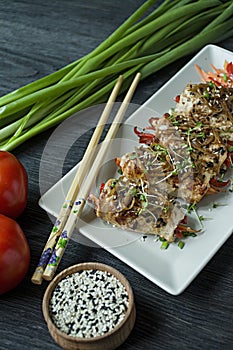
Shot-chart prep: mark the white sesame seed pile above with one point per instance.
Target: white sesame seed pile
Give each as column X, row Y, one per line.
column 88, row 303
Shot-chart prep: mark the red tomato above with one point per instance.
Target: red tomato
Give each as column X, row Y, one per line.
column 13, row 185
column 14, row 254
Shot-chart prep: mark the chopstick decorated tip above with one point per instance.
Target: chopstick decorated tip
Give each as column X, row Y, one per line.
column 79, row 203
column 65, row 210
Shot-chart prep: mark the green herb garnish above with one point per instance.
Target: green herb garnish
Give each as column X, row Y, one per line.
column 191, row 207
column 181, row 244
column 216, row 205
column 164, row 245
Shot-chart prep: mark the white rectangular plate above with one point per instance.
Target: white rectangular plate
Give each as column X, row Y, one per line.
column 172, row 269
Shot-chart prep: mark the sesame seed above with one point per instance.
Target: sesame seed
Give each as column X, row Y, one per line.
column 88, row 303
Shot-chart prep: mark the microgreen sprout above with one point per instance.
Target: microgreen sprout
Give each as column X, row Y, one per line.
column 159, row 148
column 176, row 123
column 143, row 197
column 113, row 184
column 144, row 206
column 202, row 218
column 198, row 127
column 201, row 134
column 216, row 205
column 165, row 209
column 191, row 207
column 231, row 189
column 190, row 149
column 231, row 164
column 189, row 234
column 172, row 173
column 134, row 192
column 172, row 118
column 133, row 156
column 211, row 84
column 220, row 179
column 206, row 95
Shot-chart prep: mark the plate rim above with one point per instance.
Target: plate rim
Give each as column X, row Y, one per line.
column 115, row 251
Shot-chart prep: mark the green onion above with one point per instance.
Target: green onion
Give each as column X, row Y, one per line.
column 149, row 40
column 164, row 245
column 181, row 244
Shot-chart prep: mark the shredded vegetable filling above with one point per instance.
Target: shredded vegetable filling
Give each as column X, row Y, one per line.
column 183, row 157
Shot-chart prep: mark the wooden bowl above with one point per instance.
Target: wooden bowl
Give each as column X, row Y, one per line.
column 109, row 340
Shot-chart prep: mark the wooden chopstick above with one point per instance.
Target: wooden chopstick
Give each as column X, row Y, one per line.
column 84, row 191
column 75, row 186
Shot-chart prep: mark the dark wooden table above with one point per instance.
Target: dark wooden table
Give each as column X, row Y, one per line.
column 37, row 38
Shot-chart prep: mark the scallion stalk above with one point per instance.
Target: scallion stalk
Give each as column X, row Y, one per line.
column 145, row 43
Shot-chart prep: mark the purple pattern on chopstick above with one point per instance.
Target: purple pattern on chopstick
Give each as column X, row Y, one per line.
column 44, row 258
column 63, row 239
column 46, row 255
